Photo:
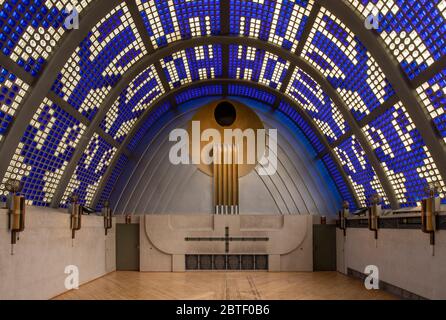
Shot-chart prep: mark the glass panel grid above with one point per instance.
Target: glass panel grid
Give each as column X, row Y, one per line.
column 199, row 92
column 251, row 92
column 131, row 104
column 339, row 181
column 280, row 22
column 362, row 176
column 158, row 112
column 110, row 184
column 31, row 29
column 403, row 155
column 108, row 51
column 257, row 65
column 89, row 171
column 12, row 92
column 344, row 61
column 414, row 32
column 289, row 111
column 44, row 152
column 432, row 94
column 301, row 125
column 169, row 21
column 191, row 64
column 309, row 95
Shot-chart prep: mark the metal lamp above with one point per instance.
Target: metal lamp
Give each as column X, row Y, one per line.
column 75, row 215
column 374, row 211
column 343, row 214
column 16, row 209
column 107, row 213
column 429, row 208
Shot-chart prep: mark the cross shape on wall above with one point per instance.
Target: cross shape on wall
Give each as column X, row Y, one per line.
column 226, row 239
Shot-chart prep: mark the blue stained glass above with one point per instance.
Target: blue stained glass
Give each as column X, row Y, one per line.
column 257, row 65
column 46, row 148
column 342, row 187
column 433, row 96
column 319, row 106
column 399, row 145
column 288, row 110
column 158, row 112
column 99, row 62
column 251, row 92
column 31, row 26
column 132, row 103
column 89, row 170
column 347, row 65
column 110, row 184
column 339, row 182
column 191, row 64
column 245, row 62
column 12, row 92
column 199, row 92
column 280, row 22
column 414, row 31
column 167, row 22
column 356, row 165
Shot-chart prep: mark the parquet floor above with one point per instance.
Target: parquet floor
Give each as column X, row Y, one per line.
column 225, row 286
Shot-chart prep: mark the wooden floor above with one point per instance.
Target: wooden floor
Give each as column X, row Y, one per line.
column 225, row 286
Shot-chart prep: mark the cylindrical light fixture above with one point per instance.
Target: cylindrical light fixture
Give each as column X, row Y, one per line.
column 374, row 211
column 16, row 209
column 128, row 219
column 75, row 215
column 343, row 214
column 429, row 208
column 107, row 213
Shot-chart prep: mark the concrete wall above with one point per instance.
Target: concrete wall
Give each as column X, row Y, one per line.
column 404, row 258
column 36, row 270
column 163, row 246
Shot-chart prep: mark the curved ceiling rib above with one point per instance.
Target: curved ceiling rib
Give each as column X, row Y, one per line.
column 98, row 9
column 225, row 82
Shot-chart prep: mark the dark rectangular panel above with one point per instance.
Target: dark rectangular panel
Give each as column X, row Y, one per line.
column 247, row 262
column 226, row 262
column 233, row 262
column 261, row 262
column 192, row 262
column 324, row 247
column 127, row 247
column 220, row 262
column 205, row 262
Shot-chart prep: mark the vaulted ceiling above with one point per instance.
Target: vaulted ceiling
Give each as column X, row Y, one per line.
column 75, row 103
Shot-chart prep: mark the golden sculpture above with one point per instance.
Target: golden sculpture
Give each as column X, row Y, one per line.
column 227, row 132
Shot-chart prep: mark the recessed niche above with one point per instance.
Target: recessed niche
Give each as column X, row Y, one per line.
column 225, row 114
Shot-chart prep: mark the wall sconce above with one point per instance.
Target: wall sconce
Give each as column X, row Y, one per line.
column 429, row 208
column 343, row 214
column 75, row 210
column 107, row 213
column 373, row 214
column 16, row 210
column 323, row 220
column 128, row 219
